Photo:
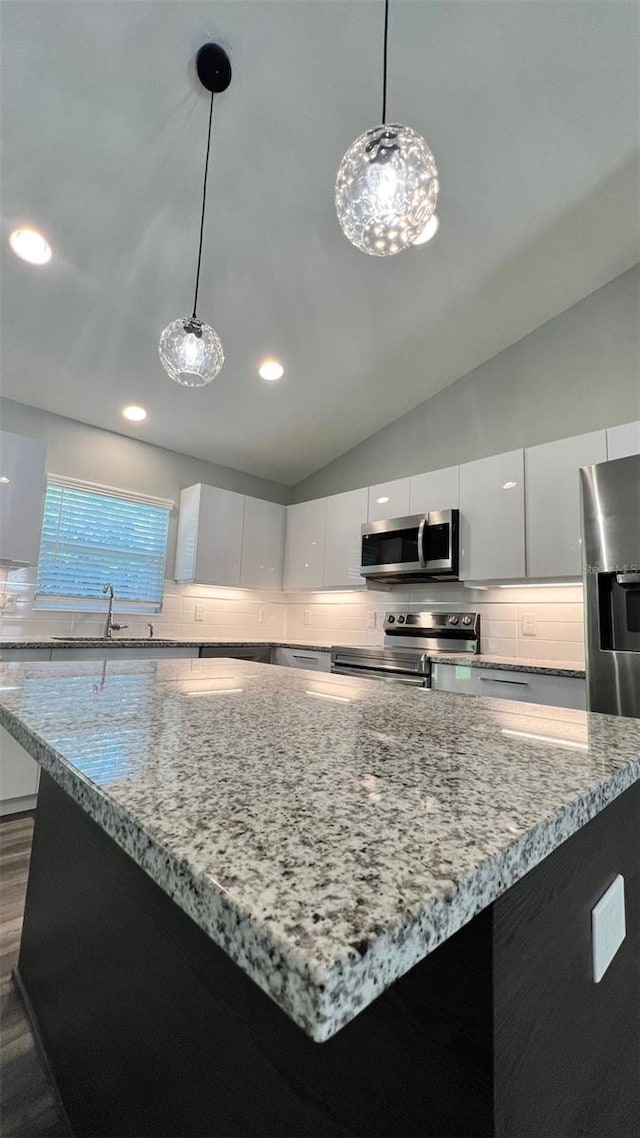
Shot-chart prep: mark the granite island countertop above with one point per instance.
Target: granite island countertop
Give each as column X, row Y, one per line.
column 328, row 833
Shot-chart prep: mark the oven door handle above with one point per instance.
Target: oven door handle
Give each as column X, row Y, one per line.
column 421, row 550
column 390, row 676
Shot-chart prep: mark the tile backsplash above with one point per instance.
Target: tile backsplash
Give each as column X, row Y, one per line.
column 534, row 622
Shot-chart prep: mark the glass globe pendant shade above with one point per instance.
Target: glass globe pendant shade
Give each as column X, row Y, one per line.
column 191, row 352
column 386, row 189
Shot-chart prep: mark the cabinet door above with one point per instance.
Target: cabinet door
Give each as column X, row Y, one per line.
column 553, row 503
column 389, row 500
column 22, row 463
column 302, row 658
column 130, row 653
column 623, row 440
column 262, row 544
column 492, row 517
column 19, row 775
column 345, row 515
column 219, row 542
column 435, row 490
column 304, row 545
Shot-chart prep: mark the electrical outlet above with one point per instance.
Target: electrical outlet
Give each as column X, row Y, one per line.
column 306, row 616
column 608, row 927
column 528, row 624
column 199, row 612
column 371, row 618
column 8, row 602
column 262, row 616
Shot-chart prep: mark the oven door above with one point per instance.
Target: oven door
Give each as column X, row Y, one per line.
column 407, row 666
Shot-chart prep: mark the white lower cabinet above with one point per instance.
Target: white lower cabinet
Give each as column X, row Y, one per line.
column 345, row 515
column 190, row 652
column 528, row 687
column 19, row 776
column 553, row 502
column 624, row 440
column 23, row 655
column 304, row 552
column 492, row 518
column 302, row 658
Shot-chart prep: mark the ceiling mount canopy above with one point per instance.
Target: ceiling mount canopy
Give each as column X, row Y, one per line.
column 387, row 183
column 190, row 350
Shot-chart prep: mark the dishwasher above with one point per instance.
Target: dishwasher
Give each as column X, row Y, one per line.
column 259, row 654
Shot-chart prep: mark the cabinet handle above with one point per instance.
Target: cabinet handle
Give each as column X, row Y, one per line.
column 493, row 680
column 312, row 658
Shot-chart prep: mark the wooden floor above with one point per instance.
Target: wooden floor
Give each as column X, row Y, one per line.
column 27, row 1106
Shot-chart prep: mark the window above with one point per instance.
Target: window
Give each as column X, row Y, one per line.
column 92, row 535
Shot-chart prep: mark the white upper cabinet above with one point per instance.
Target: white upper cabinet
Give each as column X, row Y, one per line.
column 624, row 440
column 262, row 544
column 435, row 490
column 209, row 545
column 389, row 500
column 492, row 517
column 22, row 470
column 344, row 517
column 304, row 545
column 553, row 502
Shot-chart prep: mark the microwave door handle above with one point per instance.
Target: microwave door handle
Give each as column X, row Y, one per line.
column 421, row 549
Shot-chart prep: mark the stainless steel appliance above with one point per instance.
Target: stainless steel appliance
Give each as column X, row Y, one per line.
column 411, row 639
column 417, row 548
column 611, row 573
column 258, row 654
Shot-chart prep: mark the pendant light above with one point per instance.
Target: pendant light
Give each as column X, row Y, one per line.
column 387, row 183
column 190, row 350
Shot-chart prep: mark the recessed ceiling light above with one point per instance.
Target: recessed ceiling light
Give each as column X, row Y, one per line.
column 4, row 479
column 134, row 413
column 271, row 369
column 381, row 501
column 429, row 231
column 30, row 246
column 509, row 485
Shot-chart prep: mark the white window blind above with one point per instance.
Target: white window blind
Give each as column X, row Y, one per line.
column 92, row 535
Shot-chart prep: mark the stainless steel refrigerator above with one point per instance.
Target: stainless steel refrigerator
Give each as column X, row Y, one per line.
column 611, row 573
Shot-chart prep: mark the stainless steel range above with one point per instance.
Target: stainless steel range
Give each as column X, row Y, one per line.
column 411, row 639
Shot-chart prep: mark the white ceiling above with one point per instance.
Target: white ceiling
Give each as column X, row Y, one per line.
column 530, row 108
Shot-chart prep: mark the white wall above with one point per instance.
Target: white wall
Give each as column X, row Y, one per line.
column 79, row 451
column 576, row 373
column 343, row 618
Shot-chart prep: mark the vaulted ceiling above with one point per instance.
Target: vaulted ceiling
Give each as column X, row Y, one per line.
column 531, row 110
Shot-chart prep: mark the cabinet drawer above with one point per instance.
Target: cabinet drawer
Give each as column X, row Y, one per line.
column 302, row 658
column 528, row 687
column 20, row 655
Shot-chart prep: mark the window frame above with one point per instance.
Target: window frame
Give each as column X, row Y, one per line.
column 46, row 602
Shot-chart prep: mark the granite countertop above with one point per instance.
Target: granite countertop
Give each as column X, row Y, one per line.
column 506, row 663
column 514, row 664
column 327, row 832
column 152, row 642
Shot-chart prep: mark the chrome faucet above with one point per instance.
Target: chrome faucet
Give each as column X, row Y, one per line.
column 109, row 626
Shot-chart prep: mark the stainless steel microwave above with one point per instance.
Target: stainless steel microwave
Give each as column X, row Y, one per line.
column 419, row 548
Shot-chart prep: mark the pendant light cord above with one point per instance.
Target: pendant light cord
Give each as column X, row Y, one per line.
column 204, row 203
column 384, row 64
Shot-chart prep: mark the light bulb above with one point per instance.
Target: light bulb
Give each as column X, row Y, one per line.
column 191, row 352
column 429, row 231
column 30, row 245
column 386, row 189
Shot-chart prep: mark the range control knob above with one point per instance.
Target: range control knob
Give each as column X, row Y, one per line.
column 400, row 620
column 391, row 618
column 453, row 620
column 466, row 620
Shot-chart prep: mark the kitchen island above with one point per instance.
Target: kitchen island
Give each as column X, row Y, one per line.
column 267, row 902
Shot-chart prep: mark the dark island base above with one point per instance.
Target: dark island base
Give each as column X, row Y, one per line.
column 151, row 1030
